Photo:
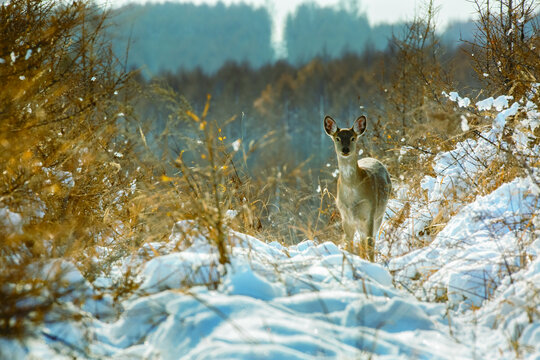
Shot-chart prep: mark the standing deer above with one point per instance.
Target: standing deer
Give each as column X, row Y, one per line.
column 363, row 186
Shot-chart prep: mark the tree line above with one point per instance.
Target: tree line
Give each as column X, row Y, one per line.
column 170, row 36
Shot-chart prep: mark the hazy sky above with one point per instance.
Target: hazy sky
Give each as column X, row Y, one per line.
column 377, row 11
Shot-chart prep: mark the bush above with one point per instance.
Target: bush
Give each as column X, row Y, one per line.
column 67, row 178
column 505, row 49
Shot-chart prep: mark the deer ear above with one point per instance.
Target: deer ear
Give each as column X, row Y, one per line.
column 360, row 125
column 330, row 126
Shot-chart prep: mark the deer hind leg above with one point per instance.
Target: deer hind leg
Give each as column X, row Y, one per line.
column 369, row 244
column 369, row 241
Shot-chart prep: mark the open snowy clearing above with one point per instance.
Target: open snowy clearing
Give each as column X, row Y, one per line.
column 472, row 292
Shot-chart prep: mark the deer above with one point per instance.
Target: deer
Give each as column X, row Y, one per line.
column 363, row 187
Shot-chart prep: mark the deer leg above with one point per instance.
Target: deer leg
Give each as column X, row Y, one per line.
column 361, row 248
column 369, row 242
column 348, row 229
column 348, row 236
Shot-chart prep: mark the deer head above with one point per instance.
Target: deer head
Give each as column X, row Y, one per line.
column 345, row 139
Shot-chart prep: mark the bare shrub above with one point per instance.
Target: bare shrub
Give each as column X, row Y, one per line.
column 505, row 52
column 68, row 179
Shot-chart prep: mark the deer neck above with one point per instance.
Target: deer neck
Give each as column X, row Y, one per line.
column 348, row 168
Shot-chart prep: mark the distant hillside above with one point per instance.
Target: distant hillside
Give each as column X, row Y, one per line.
column 313, row 30
column 172, row 36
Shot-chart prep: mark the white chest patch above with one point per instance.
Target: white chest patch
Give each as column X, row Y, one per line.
column 350, row 192
column 347, row 170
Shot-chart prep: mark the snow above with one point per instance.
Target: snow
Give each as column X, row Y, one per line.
column 464, row 123
column 302, row 302
column 65, row 177
column 236, row 145
column 500, row 119
column 465, row 260
column 11, row 221
column 499, row 104
column 470, row 291
column 454, row 96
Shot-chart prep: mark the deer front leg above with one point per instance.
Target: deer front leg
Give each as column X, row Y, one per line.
column 348, row 230
column 348, row 236
column 362, row 246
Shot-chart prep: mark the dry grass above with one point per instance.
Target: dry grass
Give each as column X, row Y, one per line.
column 207, row 179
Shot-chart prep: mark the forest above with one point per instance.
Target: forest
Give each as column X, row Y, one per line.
column 164, row 158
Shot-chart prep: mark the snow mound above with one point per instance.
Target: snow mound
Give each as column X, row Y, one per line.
column 477, row 241
column 306, row 301
column 481, row 243
column 302, row 302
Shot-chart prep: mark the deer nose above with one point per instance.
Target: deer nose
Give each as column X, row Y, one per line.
column 345, row 151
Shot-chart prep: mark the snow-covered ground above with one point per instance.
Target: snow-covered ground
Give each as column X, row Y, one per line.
column 471, row 292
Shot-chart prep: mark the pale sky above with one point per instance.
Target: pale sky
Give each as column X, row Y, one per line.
column 377, row 11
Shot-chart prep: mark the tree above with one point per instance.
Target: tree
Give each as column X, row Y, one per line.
column 325, row 32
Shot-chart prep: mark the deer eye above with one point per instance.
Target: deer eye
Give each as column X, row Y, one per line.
column 338, row 139
column 353, row 138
